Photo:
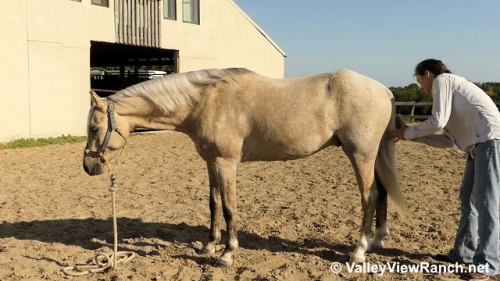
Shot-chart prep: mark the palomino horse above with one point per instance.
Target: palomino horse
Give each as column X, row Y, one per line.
column 236, row 115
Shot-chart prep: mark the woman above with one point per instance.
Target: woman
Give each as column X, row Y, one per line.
column 471, row 120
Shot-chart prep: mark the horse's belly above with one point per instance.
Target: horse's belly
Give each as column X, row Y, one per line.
column 272, row 156
column 280, row 151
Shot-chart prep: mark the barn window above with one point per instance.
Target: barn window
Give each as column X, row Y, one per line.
column 169, row 9
column 104, row 3
column 191, row 11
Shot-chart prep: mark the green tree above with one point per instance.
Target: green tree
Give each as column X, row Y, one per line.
column 411, row 92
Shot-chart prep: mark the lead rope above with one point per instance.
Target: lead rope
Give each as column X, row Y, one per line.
column 101, row 261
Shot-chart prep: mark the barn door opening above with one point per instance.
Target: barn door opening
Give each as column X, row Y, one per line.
column 116, row 66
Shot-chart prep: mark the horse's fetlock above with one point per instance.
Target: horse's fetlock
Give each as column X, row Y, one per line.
column 233, row 245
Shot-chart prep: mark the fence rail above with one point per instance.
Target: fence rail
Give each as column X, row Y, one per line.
column 413, row 104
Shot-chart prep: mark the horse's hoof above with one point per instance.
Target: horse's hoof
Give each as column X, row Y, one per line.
column 376, row 245
column 357, row 259
column 223, row 263
column 207, row 250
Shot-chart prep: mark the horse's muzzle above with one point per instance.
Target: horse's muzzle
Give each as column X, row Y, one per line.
column 94, row 171
column 93, row 166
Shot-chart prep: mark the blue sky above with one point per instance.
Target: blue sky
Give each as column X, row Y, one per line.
column 383, row 39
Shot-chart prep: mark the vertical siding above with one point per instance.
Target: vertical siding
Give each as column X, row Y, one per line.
column 137, row 22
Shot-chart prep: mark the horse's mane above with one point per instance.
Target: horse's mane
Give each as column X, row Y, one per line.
column 172, row 91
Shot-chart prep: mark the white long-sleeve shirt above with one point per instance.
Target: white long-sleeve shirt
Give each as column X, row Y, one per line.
column 465, row 112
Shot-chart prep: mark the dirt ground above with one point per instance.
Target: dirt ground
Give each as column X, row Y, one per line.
column 296, row 217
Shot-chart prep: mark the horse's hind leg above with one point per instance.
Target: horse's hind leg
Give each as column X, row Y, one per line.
column 363, row 165
column 381, row 229
column 215, row 212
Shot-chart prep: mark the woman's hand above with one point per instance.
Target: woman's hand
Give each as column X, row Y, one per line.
column 397, row 135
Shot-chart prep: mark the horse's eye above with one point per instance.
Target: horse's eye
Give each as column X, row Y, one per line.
column 94, row 130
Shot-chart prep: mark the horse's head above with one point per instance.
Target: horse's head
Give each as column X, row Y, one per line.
column 103, row 133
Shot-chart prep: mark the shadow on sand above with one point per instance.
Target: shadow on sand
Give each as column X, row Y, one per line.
column 87, row 233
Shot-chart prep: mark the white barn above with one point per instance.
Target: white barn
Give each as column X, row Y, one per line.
column 49, row 47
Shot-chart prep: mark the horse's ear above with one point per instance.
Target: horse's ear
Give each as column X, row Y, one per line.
column 96, row 100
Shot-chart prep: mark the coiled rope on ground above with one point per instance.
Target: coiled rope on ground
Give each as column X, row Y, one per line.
column 101, row 261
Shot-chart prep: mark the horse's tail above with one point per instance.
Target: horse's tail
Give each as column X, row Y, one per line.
column 385, row 166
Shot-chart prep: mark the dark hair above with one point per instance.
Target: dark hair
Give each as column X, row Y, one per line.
column 434, row 66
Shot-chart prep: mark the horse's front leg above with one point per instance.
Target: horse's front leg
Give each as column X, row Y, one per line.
column 225, row 172
column 215, row 212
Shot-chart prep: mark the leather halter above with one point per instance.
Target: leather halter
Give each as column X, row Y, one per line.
column 111, row 127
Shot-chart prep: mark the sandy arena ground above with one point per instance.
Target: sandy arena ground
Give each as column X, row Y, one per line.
column 296, row 218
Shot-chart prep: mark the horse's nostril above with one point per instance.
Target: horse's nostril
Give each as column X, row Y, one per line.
column 85, row 169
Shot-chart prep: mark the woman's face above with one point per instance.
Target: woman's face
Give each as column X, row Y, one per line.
column 425, row 81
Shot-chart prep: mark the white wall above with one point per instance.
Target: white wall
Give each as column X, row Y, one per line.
column 45, row 51
column 240, row 43
column 226, row 37
column 14, row 96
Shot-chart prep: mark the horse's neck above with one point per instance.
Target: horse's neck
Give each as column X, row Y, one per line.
column 157, row 123
column 141, row 116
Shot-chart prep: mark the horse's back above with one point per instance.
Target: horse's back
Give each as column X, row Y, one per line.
column 331, row 100
column 348, row 85
column 282, row 119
